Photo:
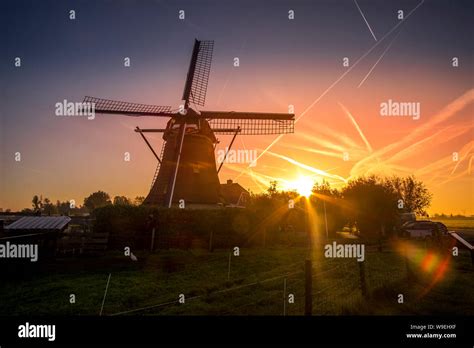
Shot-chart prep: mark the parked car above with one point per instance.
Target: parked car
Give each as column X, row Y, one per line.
column 423, row 229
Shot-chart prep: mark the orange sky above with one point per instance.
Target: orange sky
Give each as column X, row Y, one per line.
column 399, row 146
column 281, row 64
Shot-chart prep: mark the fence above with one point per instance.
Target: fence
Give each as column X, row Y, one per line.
column 321, row 287
column 270, row 281
column 82, row 239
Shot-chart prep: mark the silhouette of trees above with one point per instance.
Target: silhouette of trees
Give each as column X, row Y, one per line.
column 121, row 200
column 139, row 200
column 96, row 200
column 414, row 195
column 375, row 204
column 329, row 207
column 272, row 189
column 63, row 208
column 275, row 217
column 41, row 206
column 48, row 207
column 371, row 206
column 37, row 203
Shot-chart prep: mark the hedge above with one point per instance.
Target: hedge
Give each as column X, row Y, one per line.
column 187, row 228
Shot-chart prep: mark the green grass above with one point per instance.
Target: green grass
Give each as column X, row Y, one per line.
column 255, row 285
column 457, row 223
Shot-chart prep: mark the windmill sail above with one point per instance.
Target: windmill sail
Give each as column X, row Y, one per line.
column 198, row 74
column 250, row 123
column 106, row 106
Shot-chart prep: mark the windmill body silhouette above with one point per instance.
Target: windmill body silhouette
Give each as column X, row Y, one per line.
column 186, row 167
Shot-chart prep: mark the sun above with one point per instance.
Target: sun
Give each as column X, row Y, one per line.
column 303, row 185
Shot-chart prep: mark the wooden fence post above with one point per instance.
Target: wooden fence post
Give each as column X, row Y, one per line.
column 363, row 280
column 308, row 304
column 152, row 247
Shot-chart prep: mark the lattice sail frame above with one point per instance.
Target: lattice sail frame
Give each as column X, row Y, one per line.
column 126, row 108
column 199, row 70
column 251, row 126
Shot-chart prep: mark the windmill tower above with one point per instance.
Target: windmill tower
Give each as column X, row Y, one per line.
column 187, row 166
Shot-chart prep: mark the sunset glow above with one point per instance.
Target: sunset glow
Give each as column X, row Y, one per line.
column 303, row 186
column 340, row 133
column 183, row 161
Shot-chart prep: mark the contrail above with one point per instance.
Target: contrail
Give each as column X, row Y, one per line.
column 230, row 75
column 357, row 127
column 365, row 20
column 443, row 163
column 440, row 164
column 338, row 80
column 456, row 132
column 380, row 58
column 357, row 62
column 452, row 178
column 342, row 137
column 323, row 142
column 460, row 160
column 256, row 178
column 310, row 149
column 309, row 168
column 447, row 112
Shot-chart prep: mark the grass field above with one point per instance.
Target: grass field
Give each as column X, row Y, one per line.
column 457, row 223
column 256, row 285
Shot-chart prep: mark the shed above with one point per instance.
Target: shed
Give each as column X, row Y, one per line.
column 39, row 223
column 234, row 195
column 41, row 230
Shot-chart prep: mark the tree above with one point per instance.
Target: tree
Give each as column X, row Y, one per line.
column 48, row 207
column 37, row 203
column 329, row 206
column 121, row 200
column 371, row 205
column 139, row 200
column 275, row 216
column 63, row 208
column 272, row 189
column 96, row 200
column 414, row 195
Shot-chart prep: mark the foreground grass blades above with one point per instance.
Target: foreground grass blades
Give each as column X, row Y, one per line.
column 259, row 282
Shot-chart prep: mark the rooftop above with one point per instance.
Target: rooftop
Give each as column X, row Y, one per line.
column 39, row 223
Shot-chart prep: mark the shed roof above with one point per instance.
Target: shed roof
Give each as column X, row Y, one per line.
column 39, row 223
column 232, row 191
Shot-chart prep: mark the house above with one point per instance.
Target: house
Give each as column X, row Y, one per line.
column 234, row 195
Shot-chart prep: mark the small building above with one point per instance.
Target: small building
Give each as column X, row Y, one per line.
column 42, row 231
column 234, row 195
column 37, row 224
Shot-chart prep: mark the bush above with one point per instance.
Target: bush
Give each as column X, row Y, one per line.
column 178, row 228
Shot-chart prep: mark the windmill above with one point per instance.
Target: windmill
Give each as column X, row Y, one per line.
column 186, row 165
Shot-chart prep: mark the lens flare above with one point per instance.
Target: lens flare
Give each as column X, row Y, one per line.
column 429, row 262
column 303, row 185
